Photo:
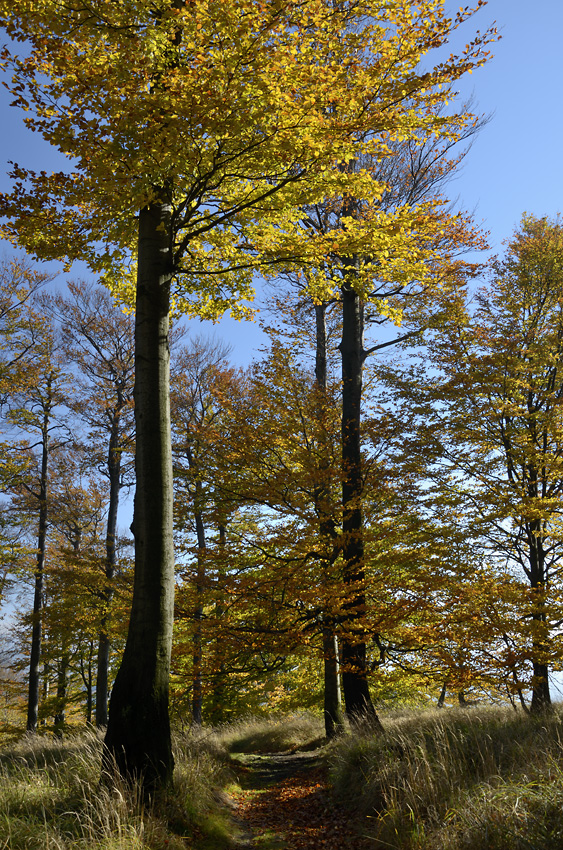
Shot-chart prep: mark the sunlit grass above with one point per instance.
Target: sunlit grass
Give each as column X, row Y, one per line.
column 51, row 798
column 486, row 779
column 297, row 731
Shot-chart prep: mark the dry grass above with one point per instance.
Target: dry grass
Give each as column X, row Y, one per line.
column 301, row 731
column 452, row 780
column 51, row 798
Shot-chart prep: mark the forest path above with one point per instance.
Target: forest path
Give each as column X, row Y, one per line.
column 285, row 803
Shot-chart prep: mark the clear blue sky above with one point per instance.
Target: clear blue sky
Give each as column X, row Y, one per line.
column 515, row 164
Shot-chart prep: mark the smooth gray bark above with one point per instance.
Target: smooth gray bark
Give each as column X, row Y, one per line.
column 138, row 732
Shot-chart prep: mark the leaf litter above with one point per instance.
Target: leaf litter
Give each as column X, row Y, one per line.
column 285, row 803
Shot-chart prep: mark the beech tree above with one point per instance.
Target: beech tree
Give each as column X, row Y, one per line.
column 73, row 583
column 231, row 622
column 489, row 414
column 294, row 390
column 414, row 175
column 98, row 337
column 19, row 283
column 196, row 133
column 200, row 378
column 34, row 412
column 74, row 579
column 282, row 449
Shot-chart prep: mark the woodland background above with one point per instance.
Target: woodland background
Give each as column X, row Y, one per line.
column 449, row 505
column 370, row 505
column 461, row 493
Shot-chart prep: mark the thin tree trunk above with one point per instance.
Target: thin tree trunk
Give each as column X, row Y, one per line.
column 218, row 706
column 88, row 683
column 353, row 652
column 332, row 697
column 138, row 732
column 541, row 697
column 46, row 688
column 102, row 671
column 197, row 659
column 442, row 697
column 37, row 627
column 60, row 716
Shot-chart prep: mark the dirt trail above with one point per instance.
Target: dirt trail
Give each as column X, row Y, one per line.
column 285, row 804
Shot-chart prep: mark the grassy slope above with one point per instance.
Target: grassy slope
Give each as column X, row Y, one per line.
column 51, row 798
column 485, row 779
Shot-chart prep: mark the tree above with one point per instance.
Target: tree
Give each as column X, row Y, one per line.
column 324, row 504
column 231, row 621
column 280, row 439
column 77, row 506
column 306, row 401
column 34, row 411
column 74, row 579
column 98, row 338
column 489, row 413
column 413, row 174
column 19, row 283
column 202, row 131
column 200, row 378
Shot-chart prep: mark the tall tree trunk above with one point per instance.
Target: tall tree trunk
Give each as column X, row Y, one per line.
column 332, row 698
column 218, row 704
column 102, row 672
column 37, row 627
column 353, row 653
column 332, row 708
column 442, row 697
column 62, row 684
column 138, row 731
column 197, row 659
column 541, row 697
column 87, row 679
column 46, row 688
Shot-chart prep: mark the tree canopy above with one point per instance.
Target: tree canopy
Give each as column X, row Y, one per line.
column 195, row 135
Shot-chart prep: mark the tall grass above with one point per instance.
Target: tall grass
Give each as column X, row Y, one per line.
column 51, row 798
column 299, row 731
column 451, row 780
column 475, row 780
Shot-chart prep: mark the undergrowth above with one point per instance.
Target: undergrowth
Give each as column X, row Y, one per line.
column 51, row 798
column 300, row 731
column 486, row 779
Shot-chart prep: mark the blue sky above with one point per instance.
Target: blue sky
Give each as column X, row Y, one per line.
column 515, row 164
